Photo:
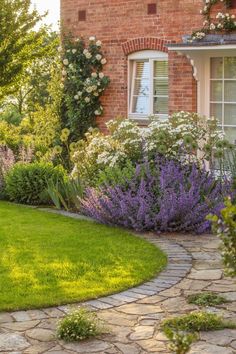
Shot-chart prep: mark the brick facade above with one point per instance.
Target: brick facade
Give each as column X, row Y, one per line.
column 126, row 26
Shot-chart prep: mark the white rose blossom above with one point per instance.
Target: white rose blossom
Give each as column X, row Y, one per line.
column 87, row 99
column 98, row 43
column 101, row 75
column 66, row 62
column 103, row 61
column 88, row 55
column 92, row 39
column 74, row 51
column 98, row 57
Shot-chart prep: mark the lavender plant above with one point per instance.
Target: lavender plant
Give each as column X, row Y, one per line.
column 164, row 195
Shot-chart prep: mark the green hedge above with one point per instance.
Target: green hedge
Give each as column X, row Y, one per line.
column 27, row 183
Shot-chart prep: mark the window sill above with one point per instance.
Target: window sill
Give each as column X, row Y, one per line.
column 142, row 121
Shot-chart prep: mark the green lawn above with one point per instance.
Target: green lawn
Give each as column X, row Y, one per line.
column 48, row 259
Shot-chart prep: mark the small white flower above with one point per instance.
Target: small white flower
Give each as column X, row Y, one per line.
column 87, row 99
column 74, row 51
column 103, row 61
column 101, row 75
column 98, row 57
column 66, row 62
column 59, row 49
column 94, row 75
column 212, row 26
column 64, row 72
column 88, row 55
column 232, row 16
column 98, row 43
column 68, row 51
column 89, row 89
column 92, row 39
column 79, row 93
column 97, row 113
column 85, row 51
column 76, row 97
column 96, row 94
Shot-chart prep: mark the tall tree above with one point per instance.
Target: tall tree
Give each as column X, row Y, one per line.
column 20, row 42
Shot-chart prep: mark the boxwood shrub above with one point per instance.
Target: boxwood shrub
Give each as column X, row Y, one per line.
column 27, row 183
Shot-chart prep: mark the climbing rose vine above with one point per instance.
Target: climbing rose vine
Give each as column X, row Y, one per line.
column 221, row 22
column 84, row 82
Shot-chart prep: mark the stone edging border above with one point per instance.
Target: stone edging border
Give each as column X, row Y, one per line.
column 179, row 265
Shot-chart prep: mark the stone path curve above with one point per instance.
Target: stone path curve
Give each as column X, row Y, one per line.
column 133, row 316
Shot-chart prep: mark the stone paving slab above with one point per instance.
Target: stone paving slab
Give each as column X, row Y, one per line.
column 133, row 316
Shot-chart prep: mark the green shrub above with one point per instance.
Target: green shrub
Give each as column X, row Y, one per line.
column 126, row 141
column 79, row 325
column 195, row 322
column 116, row 175
column 225, row 228
column 206, row 299
column 27, row 183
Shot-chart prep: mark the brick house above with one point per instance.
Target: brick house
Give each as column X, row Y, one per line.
column 152, row 70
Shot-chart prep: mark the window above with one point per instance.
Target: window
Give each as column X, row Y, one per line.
column 223, row 94
column 148, row 81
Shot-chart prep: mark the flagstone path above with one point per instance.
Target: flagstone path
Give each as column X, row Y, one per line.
column 133, row 317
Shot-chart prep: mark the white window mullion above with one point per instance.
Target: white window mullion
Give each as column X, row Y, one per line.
column 132, row 86
column 151, row 61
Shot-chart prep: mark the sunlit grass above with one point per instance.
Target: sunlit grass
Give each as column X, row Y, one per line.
column 48, row 259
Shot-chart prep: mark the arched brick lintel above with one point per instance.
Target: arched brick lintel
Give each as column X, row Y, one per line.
column 144, row 43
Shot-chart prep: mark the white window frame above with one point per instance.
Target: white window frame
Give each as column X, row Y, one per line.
column 151, row 56
column 223, row 102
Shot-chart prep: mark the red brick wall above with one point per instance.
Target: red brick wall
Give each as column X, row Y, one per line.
column 124, row 26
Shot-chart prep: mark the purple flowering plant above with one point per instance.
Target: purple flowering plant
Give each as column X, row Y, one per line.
column 162, row 196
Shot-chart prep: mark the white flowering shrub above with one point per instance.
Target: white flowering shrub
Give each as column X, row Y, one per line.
column 84, row 82
column 221, row 22
column 184, row 134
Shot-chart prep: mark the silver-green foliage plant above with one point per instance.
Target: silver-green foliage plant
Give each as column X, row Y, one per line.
column 79, row 325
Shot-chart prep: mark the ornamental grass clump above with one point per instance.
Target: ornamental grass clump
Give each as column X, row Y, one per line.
column 79, row 325
column 163, row 195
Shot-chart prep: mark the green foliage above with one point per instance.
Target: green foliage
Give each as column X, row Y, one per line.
column 225, row 228
column 116, row 175
column 79, row 325
column 206, row 299
column 66, row 193
column 10, row 135
column 84, row 83
column 20, row 43
column 195, row 322
column 180, row 341
column 31, row 90
column 10, row 115
column 27, row 183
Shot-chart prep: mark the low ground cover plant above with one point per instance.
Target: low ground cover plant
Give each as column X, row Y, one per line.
column 206, row 299
column 163, row 195
column 180, row 342
column 197, row 321
column 27, row 183
column 79, row 325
